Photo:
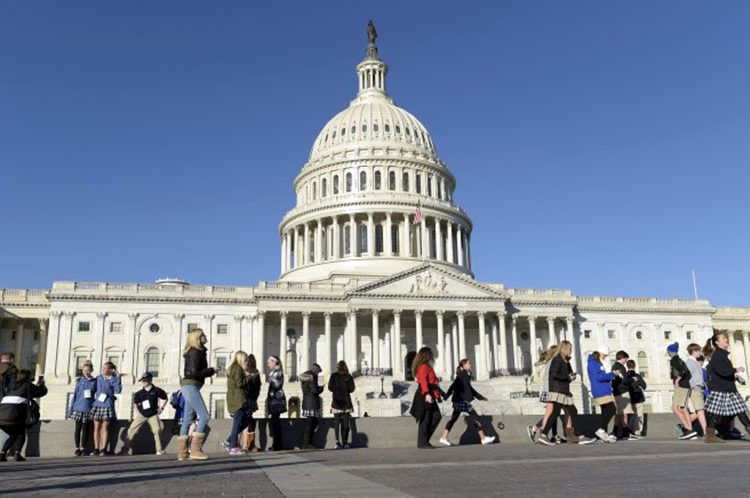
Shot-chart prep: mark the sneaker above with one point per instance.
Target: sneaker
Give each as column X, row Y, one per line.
column 560, row 440
column 633, row 437
column 679, row 430
column 694, row 437
column 96, row 452
column 339, row 446
column 236, row 451
column 587, row 440
column 225, row 444
column 603, row 436
column 486, row 440
column 161, row 453
column 19, row 458
column 347, row 447
column 445, row 442
column 78, row 452
column 542, row 439
column 687, row 435
column 612, row 438
column 531, row 432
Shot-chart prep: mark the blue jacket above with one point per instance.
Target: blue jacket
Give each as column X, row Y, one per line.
column 107, row 388
column 80, row 403
column 600, row 379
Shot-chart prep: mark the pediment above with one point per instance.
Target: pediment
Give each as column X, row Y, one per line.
column 427, row 281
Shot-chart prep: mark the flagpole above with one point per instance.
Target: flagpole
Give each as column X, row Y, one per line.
column 695, row 286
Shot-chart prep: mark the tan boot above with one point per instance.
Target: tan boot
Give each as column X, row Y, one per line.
column 571, row 434
column 196, row 446
column 711, row 436
column 182, row 448
column 250, row 440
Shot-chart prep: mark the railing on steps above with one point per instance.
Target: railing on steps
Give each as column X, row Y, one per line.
column 510, row 372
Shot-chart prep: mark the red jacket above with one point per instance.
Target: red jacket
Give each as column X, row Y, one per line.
column 427, row 380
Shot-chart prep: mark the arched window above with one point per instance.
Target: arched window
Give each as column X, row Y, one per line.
column 429, row 185
column 324, row 244
column 394, row 239
column 398, row 130
column 418, row 183
column 153, row 361
column 343, row 131
column 440, row 190
column 324, row 187
column 348, row 182
column 392, row 180
column 378, row 180
column 354, row 129
column 363, row 238
column 347, row 239
column 379, row 238
column 405, row 182
column 314, row 190
column 375, row 127
column 642, row 365
column 408, row 133
column 364, row 128
column 362, row 180
column 335, row 184
column 387, row 128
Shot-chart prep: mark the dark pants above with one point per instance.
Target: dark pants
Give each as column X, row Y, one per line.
column 428, row 424
column 570, row 413
column 239, row 424
column 473, row 419
column 608, row 411
column 17, row 439
column 311, row 423
column 554, row 426
column 341, row 423
column 278, row 444
column 82, row 435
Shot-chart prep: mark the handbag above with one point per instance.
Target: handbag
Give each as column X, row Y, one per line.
column 32, row 412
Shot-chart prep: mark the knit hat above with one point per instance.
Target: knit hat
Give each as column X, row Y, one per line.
column 673, row 348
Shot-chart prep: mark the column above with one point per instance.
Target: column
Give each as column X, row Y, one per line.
column 449, row 229
column 336, row 238
column 514, row 339
column 129, row 359
column 102, row 319
column 495, row 364
column 350, row 342
column 406, row 246
column 288, row 255
column 454, row 342
column 732, row 348
column 283, row 253
column 65, row 345
column 319, row 242
column 424, row 239
column 306, row 252
column 376, row 339
column 260, row 339
column 19, row 346
column 461, row 335
column 441, row 363
column 532, row 340
column 352, row 238
column 419, row 341
column 467, row 243
column 177, row 354
column 370, row 235
column 305, row 362
column 53, row 339
column 41, row 353
column 438, row 240
column 396, row 340
column 551, row 330
column 237, row 333
column 328, row 365
column 460, row 245
column 387, row 236
column 297, row 250
column 502, row 337
column 282, row 338
column 209, row 331
column 483, row 372
column 570, row 335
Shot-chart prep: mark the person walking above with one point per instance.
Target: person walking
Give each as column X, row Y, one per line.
column 252, row 391
column 637, row 398
column 427, row 396
column 195, row 373
column 541, row 376
column 14, row 411
column 621, row 391
column 237, row 379
column 463, row 394
column 108, row 386
column 697, row 384
column 312, row 387
column 680, row 375
column 84, row 394
column 723, row 399
column 601, row 390
column 148, row 404
column 341, row 385
column 276, row 400
column 561, row 374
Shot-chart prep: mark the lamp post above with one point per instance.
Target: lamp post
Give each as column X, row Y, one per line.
column 382, row 389
column 526, row 379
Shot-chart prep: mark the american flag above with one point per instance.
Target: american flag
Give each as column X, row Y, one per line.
column 418, row 214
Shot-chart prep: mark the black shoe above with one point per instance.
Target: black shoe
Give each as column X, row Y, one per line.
column 95, row 452
column 19, row 458
column 3, row 458
column 78, row 452
column 427, row 446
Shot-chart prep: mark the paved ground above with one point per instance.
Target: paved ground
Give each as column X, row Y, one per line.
column 642, row 468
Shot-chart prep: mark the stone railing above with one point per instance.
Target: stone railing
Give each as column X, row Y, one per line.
column 23, row 295
column 304, row 286
column 641, row 300
column 117, row 289
column 540, row 292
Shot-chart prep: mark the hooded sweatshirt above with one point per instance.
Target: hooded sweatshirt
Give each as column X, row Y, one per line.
column 600, row 379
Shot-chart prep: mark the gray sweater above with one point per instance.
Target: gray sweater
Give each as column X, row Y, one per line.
column 696, row 372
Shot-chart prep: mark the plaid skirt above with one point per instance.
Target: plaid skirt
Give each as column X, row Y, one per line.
column 102, row 413
column 726, row 404
column 82, row 416
column 312, row 413
column 544, row 397
column 561, row 399
column 337, row 411
column 462, row 406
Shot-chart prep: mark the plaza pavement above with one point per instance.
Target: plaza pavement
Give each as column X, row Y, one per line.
column 640, row 468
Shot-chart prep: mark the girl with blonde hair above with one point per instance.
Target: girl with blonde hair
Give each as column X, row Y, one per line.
column 237, row 401
column 195, row 372
column 541, row 376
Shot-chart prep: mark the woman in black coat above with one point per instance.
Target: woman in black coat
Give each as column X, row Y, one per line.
column 463, row 394
column 311, row 390
column 561, row 374
column 14, row 409
column 341, row 384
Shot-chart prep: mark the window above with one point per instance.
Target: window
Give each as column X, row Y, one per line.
column 639, row 335
column 418, row 183
column 221, row 362
column 378, row 180
column 364, row 128
column 154, row 328
column 347, row 239
column 219, row 408
column 587, row 334
column 335, row 184
column 392, row 180
column 115, row 327
column 354, row 129
column 324, row 187
column 314, row 190
column 378, row 238
column 326, row 139
column 440, row 190
column 191, row 327
column 689, row 335
column 153, row 360
column 611, row 334
column 36, row 338
column 363, row 238
column 394, row 239
column 222, row 328
column 83, row 327
column 343, row 131
column 408, row 132
column 375, row 127
column 362, row 180
column 667, row 334
column 405, row 182
column 429, row 185
column 114, row 359
column 387, row 128
column 642, row 364
column 348, row 182
column 334, row 135
column 13, row 335
column 398, row 130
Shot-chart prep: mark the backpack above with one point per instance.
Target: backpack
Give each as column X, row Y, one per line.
column 174, row 400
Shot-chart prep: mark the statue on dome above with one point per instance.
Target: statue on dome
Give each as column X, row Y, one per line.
column 372, row 34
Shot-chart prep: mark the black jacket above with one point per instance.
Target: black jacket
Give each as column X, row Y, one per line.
column 14, row 410
column 559, row 376
column 461, row 388
column 252, row 388
column 637, row 386
column 341, row 385
column 196, row 367
column 721, row 374
column 678, row 368
column 620, row 386
column 8, row 374
column 310, row 390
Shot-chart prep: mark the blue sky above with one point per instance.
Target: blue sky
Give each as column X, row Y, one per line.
column 599, row 146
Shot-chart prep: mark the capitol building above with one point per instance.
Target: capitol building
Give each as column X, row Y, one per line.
column 375, row 262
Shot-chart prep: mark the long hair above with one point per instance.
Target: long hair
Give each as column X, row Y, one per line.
column 193, row 341
column 424, row 355
column 708, row 349
column 565, row 350
column 342, row 368
column 546, row 356
column 597, row 356
column 252, row 364
column 461, row 364
column 240, row 359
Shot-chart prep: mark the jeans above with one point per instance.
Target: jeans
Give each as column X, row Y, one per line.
column 194, row 405
column 239, row 423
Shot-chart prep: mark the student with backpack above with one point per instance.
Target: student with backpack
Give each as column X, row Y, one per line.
column 637, row 388
column 680, row 375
